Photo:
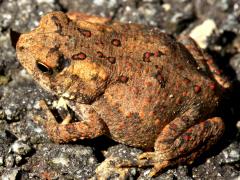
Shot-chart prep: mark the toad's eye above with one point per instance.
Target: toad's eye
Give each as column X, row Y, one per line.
column 44, row 68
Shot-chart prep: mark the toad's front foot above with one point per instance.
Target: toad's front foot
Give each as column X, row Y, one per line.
column 88, row 128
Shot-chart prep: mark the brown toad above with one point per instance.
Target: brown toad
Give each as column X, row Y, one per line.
column 135, row 84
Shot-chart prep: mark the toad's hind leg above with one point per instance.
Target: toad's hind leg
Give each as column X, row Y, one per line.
column 89, row 128
column 204, row 61
column 182, row 141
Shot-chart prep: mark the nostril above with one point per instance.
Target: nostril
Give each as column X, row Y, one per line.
column 21, row 48
column 44, row 68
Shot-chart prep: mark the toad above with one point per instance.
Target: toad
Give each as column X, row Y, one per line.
column 135, row 84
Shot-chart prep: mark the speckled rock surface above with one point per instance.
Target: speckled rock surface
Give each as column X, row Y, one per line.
column 24, row 145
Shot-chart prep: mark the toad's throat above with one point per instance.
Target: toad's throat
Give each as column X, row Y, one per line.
column 88, row 71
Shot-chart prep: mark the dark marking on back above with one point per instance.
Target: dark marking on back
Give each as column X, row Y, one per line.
column 116, row 42
column 112, row 60
column 160, row 78
column 146, row 56
column 85, row 32
column 197, row 89
column 100, row 54
column 79, row 56
column 123, row 79
column 58, row 24
column 158, row 54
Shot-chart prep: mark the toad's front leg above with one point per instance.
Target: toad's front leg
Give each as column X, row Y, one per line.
column 182, row 141
column 88, row 128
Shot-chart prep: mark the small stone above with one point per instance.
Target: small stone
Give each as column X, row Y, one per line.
column 235, row 64
column 201, row 32
column 20, row 148
column 9, row 161
column 171, row 96
column 4, row 80
column 10, row 174
column 234, row 154
column 18, row 159
column 1, row 161
column 61, row 159
column 167, row 7
column 238, row 125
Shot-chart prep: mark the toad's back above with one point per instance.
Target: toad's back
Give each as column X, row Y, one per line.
column 157, row 79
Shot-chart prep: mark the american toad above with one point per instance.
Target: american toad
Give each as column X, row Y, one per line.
column 135, row 84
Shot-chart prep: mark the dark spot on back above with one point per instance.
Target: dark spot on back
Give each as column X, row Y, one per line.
column 57, row 23
column 162, row 81
column 146, row 56
column 212, row 86
column 197, row 88
column 112, row 60
column 79, row 56
column 85, row 32
column 123, row 79
column 186, row 81
column 116, row 42
column 158, row 54
column 100, row 54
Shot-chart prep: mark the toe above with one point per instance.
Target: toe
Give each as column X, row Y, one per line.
column 158, row 167
column 146, row 155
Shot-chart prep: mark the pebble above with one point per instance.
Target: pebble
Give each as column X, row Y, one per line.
column 20, row 148
column 10, row 174
column 235, row 64
column 1, row 161
column 201, row 32
column 9, row 161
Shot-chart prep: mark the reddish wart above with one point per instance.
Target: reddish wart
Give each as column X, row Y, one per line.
column 79, row 56
column 116, row 42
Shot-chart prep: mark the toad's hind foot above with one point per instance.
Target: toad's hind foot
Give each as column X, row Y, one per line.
column 153, row 159
column 180, row 145
column 112, row 167
column 148, row 159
